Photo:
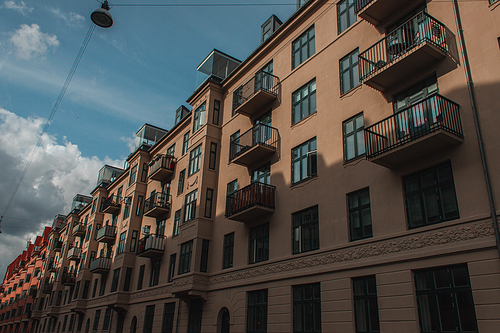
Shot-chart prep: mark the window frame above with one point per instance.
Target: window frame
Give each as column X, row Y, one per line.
column 349, row 69
column 212, row 161
column 257, row 309
column 209, row 198
column 186, row 251
column 311, row 96
column 311, row 225
column 180, row 184
column 195, row 160
column 199, row 116
column 297, row 50
column 346, row 12
column 360, row 208
column 311, row 161
column 216, row 115
column 368, row 299
column 228, row 251
column 302, row 304
column 258, row 240
column 354, row 134
column 132, row 175
column 185, row 143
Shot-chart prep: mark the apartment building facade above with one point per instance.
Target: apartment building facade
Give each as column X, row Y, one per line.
column 340, row 179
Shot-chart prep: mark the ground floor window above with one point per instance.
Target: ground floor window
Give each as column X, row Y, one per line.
column 307, row 308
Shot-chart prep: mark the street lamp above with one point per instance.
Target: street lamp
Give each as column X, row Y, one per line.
column 101, row 17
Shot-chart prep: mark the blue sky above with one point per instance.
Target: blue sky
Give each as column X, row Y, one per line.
column 138, row 71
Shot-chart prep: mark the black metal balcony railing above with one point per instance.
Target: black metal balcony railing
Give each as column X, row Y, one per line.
column 151, row 243
column 57, row 245
column 360, row 4
column 100, row 264
column 79, row 229
column 112, row 204
column 162, row 162
column 431, row 114
column 74, row 253
column 417, row 30
column 260, row 134
column 106, row 233
column 255, row 194
column 47, row 287
column 157, row 200
column 261, row 81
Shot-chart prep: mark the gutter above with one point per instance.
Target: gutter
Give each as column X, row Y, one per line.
column 470, row 86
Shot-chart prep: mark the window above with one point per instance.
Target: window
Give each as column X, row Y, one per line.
column 194, row 160
column 258, row 245
column 208, row 203
column 102, row 289
column 89, row 231
column 86, row 287
column 177, row 220
column 171, row 150
column 305, row 230
column 185, row 143
column 216, row 116
column 180, row 185
column 144, row 173
column 213, row 156
column 354, row 137
column 304, row 102
column 133, row 173
column 160, row 228
column 190, row 206
column 116, row 278
column 195, row 314
column 444, row 298
column 232, row 187
column 185, row 257
column 133, row 241
column 71, row 322
column 303, row 47
column 96, row 320
column 199, row 117
column 141, row 277
column 349, row 72
column 365, row 304
column 126, row 209
column 346, row 14
column 148, row 319
column 121, row 242
column 140, row 200
column 107, row 319
column 171, row 267
column 430, row 196
column 360, row 219
column 257, row 311
column 304, row 163
column 167, row 325
column 128, row 277
column 155, row 273
column 262, row 175
column 204, row 255
column 227, row 260
column 307, row 308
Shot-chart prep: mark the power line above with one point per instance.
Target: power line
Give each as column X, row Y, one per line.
column 51, row 117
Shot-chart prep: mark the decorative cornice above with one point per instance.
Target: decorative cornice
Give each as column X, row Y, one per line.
column 415, row 242
column 151, row 293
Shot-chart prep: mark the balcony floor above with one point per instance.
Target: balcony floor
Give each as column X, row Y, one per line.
column 113, row 209
column 256, row 102
column 413, row 150
column 151, row 253
column 157, row 212
column 251, row 214
column 378, row 10
column 253, row 155
column 162, row 174
column 415, row 60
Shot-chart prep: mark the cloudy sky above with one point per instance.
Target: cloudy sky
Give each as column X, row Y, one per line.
column 138, row 71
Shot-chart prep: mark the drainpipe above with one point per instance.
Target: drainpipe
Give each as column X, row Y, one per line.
column 470, row 86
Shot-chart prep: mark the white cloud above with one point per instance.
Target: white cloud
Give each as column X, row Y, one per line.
column 30, row 42
column 21, row 7
column 71, row 18
column 58, row 172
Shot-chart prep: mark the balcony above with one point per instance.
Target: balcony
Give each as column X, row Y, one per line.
column 162, row 168
column 157, row 205
column 251, row 202
column 36, row 250
column 79, row 230
column 151, row 246
column 254, row 146
column 53, row 311
column 47, row 287
column 100, row 265
column 68, row 279
column 376, row 11
column 52, row 267
column 36, row 314
column 107, row 234
column 260, row 91
column 418, row 130
column 112, row 205
column 411, row 48
column 57, row 246
column 74, row 253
